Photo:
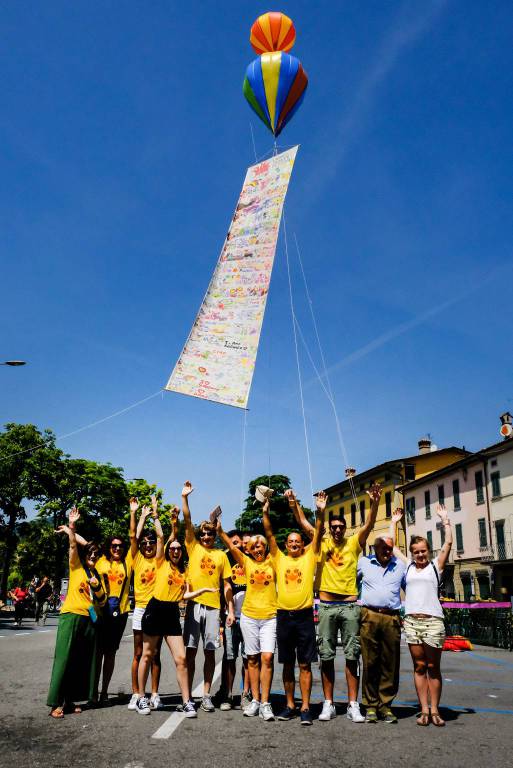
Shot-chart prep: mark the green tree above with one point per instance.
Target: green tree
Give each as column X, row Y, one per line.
column 282, row 519
column 29, row 469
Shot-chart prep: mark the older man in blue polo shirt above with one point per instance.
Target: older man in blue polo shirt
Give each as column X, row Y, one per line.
column 380, row 576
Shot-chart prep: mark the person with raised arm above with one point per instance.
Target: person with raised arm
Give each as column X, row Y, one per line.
column 338, row 595
column 380, row 576
column 207, row 568
column 73, row 677
column 295, row 628
column 115, row 568
column 424, row 618
column 257, row 619
column 145, row 571
column 161, row 619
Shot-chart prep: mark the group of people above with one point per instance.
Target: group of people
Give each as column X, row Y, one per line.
column 37, row 594
column 259, row 598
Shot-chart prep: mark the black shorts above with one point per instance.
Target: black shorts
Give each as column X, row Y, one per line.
column 161, row 618
column 111, row 629
column 295, row 635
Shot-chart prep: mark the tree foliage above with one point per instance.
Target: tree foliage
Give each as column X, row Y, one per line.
column 282, row 519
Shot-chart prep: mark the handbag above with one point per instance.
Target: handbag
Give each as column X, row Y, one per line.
column 112, row 607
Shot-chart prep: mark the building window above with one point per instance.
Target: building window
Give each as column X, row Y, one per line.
column 388, row 504
column 479, row 487
column 353, row 515
column 495, row 477
column 362, row 512
column 467, row 586
column 501, row 540
column 441, row 494
column 459, row 537
column 493, row 462
column 483, row 538
column 484, row 586
column 409, row 472
column 429, row 538
column 427, row 504
column 341, row 513
column 456, row 493
column 410, row 510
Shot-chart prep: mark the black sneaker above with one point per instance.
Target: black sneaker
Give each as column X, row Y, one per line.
column 287, row 714
column 306, row 717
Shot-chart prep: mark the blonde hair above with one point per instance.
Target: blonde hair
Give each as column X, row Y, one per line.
column 257, row 538
column 418, row 540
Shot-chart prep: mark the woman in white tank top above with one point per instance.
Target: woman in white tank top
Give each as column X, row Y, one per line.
column 424, row 619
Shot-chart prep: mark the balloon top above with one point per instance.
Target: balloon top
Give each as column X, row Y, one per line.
column 273, row 31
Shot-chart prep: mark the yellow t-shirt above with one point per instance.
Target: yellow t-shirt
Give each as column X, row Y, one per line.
column 169, row 583
column 145, row 573
column 337, row 566
column 294, row 580
column 260, row 601
column 78, row 598
column 113, row 573
column 206, row 568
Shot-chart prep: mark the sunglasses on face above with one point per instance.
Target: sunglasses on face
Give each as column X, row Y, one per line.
column 337, row 527
column 175, row 549
column 116, row 546
column 206, row 534
column 147, row 543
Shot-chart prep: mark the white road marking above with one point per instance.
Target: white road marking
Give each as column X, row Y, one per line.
column 23, row 634
column 492, row 696
column 174, row 720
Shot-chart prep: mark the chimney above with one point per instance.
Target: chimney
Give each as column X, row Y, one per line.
column 506, row 429
column 424, row 445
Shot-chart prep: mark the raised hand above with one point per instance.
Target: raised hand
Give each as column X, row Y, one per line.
column 174, row 514
column 146, row 510
column 134, row 504
column 321, row 500
column 290, row 496
column 442, row 513
column 93, row 581
column 61, row 529
column 398, row 515
column 374, row 493
column 187, row 488
column 154, row 505
column 74, row 515
column 266, row 506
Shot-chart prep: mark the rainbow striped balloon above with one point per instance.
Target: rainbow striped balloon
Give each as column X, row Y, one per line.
column 275, row 86
column 272, row 31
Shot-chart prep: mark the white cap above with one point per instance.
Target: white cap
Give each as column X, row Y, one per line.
column 262, row 493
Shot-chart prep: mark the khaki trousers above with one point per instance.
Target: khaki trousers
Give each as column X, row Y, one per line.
column 380, row 638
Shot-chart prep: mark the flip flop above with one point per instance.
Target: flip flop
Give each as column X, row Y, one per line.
column 423, row 718
column 437, row 720
column 56, row 713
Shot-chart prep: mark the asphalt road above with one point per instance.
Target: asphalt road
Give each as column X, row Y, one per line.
column 477, row 704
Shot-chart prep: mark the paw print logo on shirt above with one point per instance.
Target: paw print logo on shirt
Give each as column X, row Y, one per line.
column 115, row 578
column 207, row 565
column 175, row 579
column 148, row 576
column 237, row 572
column 261, row 578
column 335, row 558
column 84, row 588
column 293, row 579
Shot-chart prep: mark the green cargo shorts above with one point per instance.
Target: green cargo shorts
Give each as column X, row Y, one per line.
column 332, row 618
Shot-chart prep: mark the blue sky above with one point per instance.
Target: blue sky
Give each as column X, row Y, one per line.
column 125, row 139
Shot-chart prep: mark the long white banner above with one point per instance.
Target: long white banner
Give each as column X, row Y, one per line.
column 218, row 359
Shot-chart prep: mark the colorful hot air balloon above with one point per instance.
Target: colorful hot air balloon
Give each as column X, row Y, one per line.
column 274, row 86
column 272, row 31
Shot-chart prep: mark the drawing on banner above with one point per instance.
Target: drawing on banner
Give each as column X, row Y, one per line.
column 218, row 359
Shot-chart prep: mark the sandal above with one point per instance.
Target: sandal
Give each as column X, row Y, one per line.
column 437, row 720
column 423, row 718
column 77, row 710
column 57, row 713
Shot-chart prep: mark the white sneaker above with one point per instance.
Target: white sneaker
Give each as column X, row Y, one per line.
column 189, row 709
column 132, row 704
column 245, row 700
column 253, row 709
column 155, row 702
column 266, row 711
column 143, row 706
column 353, row 712
column 328, row 711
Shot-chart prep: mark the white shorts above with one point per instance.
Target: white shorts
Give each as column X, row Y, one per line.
column 137, row 618
column 259, row 635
